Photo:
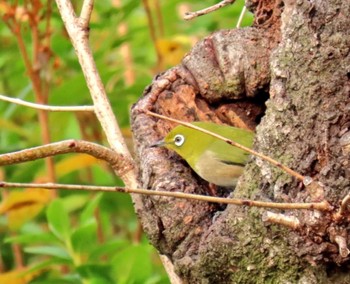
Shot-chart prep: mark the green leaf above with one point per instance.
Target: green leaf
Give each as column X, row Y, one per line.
column 108, row 248
column 31, row 238
column 54, row 251
column 97, row 273
column 40, row 266
column 62, row 280
column 132, row 265
column 58, row 220
column 88, row 212
column 99, row 281
column 73, row 202
column 84, row 238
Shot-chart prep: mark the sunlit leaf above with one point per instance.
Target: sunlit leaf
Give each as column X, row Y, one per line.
column 43, row 265
column 88, row 212
column 54, row 251
column 17, row 276
column 58, row 220
column 21, row 206
column 100, row 273
column 132, row 264
column 84, row 238
column 172, row 50
column 108, row 248
column 31, row 238
column 73, row 202
column 74, row 163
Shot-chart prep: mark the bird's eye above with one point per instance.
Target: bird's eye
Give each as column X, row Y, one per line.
column 179, row 140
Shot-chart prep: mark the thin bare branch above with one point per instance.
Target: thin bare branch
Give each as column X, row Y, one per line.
column 152, row 29
column 192, row 15
column 34, row 68
column 343, row 208
column 257, row 154
column 117, row 162
column 86, row 11
column 344, row 204
column 46, row 107
column 240, row 19
column 170, row 269
column 125, row 51
column 321, row 206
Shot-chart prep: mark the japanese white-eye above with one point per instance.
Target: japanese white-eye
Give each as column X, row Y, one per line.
column 211, row 158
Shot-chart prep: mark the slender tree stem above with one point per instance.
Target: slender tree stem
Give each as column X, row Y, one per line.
column 322, row 206
column 46, row 107
column 192, row 15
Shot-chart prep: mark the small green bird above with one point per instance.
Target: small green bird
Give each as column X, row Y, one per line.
column 211, row 158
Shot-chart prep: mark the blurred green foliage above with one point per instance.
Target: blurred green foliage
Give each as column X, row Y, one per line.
column 80, row 237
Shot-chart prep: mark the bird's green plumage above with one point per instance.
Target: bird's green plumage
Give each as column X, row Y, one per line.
column 213, row 159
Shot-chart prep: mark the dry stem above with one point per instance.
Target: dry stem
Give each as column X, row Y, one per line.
column 192, row 15
column 46, row 107
column 116, row 161
column 240, row 19
column 343, row 208
column 321, row 206
column 85, row 13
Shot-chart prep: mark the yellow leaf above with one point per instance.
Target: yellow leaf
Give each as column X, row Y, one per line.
column 16, row 218
column 17, row 276
column 21, row 206
column 172, row 50
column 74, row 163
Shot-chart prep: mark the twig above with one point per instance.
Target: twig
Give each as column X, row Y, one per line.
column 240, row 19
column 281, row 219
column 46, row 107
column 34, row 70
column 48, row 14
column 117, row 162
column 152, row 30
column 192, row 15
column 170, row 269
column 159, row 15
column 343, row 208
column 321, row 206
column 344, row 204
column 125, row 50
column 262, row 156
column 85, row 13
column 17, row 254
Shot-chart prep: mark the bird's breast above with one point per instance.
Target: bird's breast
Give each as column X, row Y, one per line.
column 215, row 171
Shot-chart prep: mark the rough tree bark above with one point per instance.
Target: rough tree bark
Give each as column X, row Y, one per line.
column 297, row 55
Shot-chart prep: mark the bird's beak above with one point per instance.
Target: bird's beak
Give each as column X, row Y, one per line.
column 160, row 143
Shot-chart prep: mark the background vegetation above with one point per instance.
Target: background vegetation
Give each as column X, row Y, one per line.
column 80, row 237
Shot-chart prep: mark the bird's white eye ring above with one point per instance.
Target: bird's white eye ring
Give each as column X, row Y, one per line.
column 179, row 140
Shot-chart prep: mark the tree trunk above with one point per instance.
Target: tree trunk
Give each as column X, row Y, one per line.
column 297, row 54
